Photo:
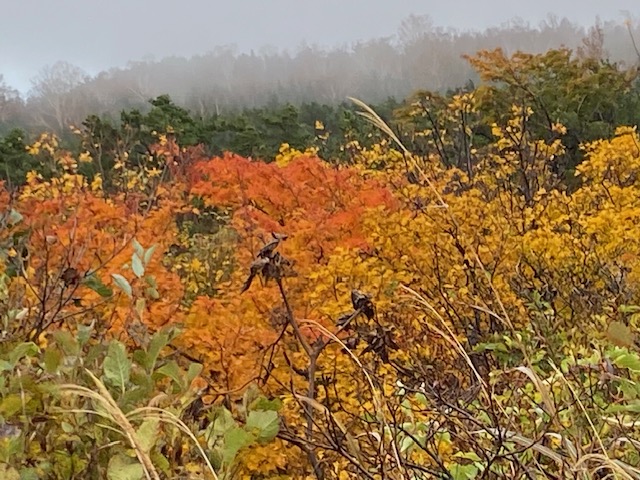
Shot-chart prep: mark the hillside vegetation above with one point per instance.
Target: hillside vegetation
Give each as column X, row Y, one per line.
column 448, row 291
column 226, row 80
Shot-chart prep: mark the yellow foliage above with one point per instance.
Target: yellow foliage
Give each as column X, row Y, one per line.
column 287, row 154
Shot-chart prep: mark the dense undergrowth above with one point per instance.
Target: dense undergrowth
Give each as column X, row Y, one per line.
column 454, row 295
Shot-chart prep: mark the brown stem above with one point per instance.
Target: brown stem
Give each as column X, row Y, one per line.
column 312, row 353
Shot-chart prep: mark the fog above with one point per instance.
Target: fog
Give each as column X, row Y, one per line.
column 96, row 35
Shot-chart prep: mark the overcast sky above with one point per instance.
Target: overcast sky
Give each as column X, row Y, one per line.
column 98, row 34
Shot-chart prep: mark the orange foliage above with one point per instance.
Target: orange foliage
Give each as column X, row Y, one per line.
column 317, row 206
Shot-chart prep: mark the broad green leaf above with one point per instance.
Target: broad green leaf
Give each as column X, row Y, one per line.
column 463, row 472
column 26, row 349
column 134, row 396
column 173, row 371
column 267, row 424
column 263, row 403
column 159, row 340
column 10, row 448
column 95, row 284
column 122, row 283
column 406, row 443
column 223, row 422
column 121, row 468
column 137, row 266
column 66, row 427
column 628, row 360
column 235, row 440
column 468, row 455
column 95, row 352
column 117, row 367
column 422, row 398
column 147, row 434
column 141, row 378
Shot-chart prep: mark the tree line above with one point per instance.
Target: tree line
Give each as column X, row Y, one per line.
column 224, row 80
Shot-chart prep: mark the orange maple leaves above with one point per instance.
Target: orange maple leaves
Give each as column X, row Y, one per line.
column 318, row 206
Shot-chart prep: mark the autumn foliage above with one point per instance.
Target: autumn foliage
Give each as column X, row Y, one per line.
column 451, row 312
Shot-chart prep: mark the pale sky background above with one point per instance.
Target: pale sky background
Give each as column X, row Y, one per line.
column 98, row 34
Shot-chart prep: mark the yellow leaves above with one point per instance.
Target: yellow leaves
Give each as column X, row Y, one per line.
column 46, row 143
column 96, row 184
column 195, row 265
column 34, row 149
column 153, row 172
column 559, row 128
column 381, row 159
column 85, row 157
column 265, row 460
column 611, row 162
column 465, row 102
column 287, row 154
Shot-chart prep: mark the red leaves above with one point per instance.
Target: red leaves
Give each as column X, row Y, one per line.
column 317, row 205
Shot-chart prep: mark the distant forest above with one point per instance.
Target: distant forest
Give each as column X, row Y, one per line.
column 223, row 81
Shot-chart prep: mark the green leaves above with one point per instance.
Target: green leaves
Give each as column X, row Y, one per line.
column 628, row 360
column 227, row 437
column 159, row 340
column 123, row 284
column 122, row 468
column 26, row 349
column 140, row 258
column 117, row 367
column 264, row 424
column 137, row 266
column 95, row 284
column 235, row 439
column 148, row 254
column 173, row 371
column 463, row 472
column 147, row 434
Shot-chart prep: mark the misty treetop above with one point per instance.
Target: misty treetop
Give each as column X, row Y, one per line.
column 420, row 56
